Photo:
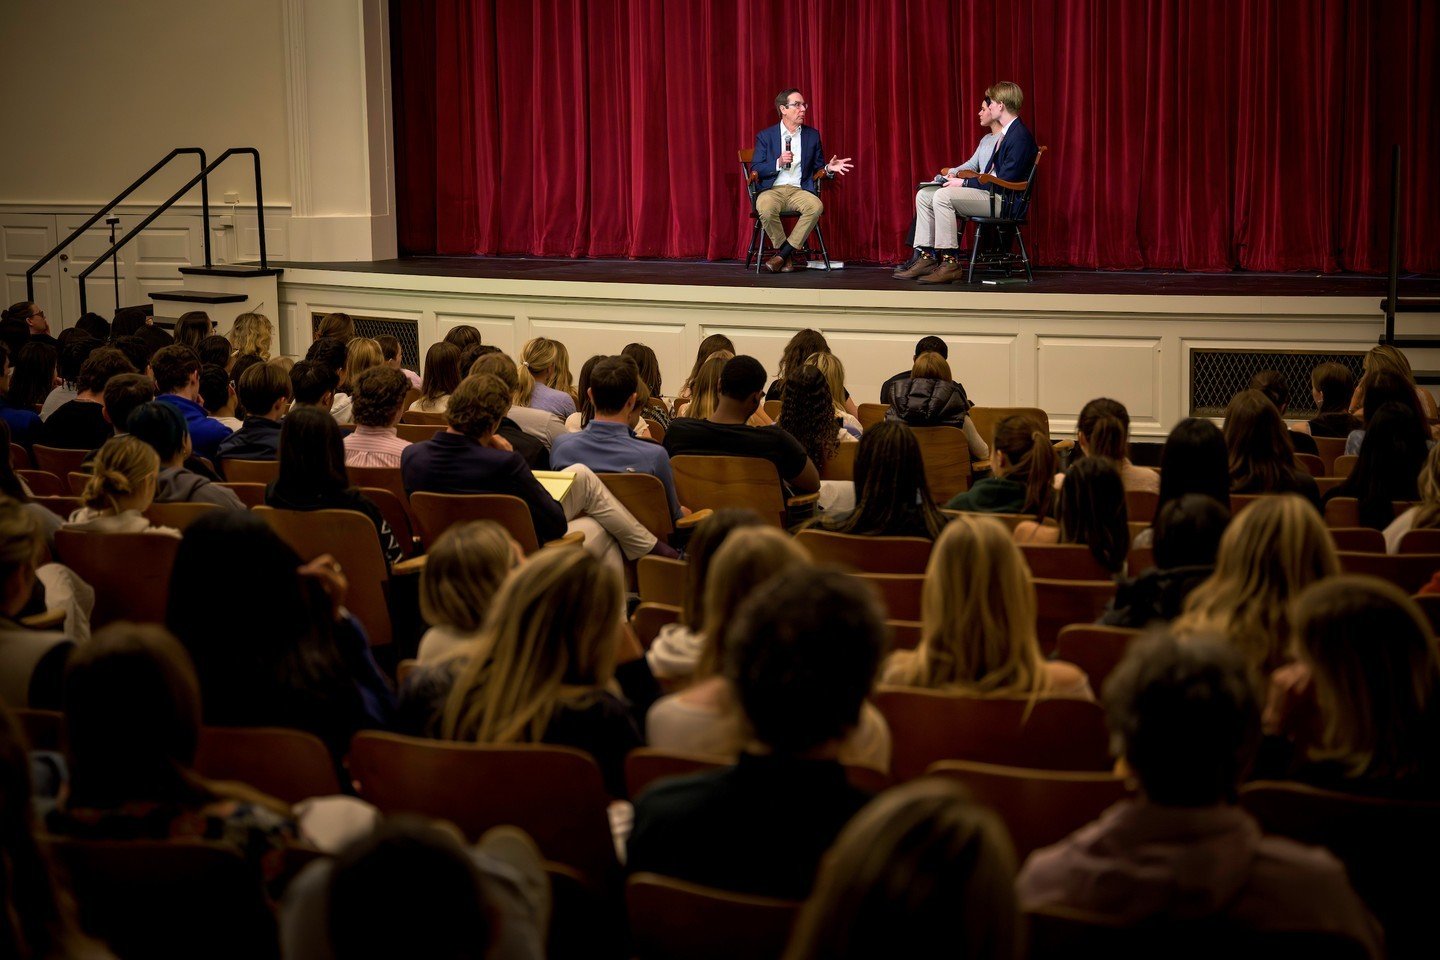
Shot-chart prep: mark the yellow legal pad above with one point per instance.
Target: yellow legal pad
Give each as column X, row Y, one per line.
column 556, row 482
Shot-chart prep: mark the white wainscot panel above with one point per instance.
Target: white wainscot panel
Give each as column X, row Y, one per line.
column 586, row 338
column 1072, row 371
column 26, row 242
column 765, row 344
column 985, row 365
column 495, row 329
column 167, row 245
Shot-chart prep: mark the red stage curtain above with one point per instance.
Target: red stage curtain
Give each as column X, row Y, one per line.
column 1251, row 134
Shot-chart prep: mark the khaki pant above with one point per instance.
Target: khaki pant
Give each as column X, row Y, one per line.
column 937, row 213
column 772, row 201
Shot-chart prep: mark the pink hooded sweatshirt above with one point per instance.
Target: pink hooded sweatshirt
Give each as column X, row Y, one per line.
column 1140, row 860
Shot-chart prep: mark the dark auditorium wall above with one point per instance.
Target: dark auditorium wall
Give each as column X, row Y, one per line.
column 1250, row 134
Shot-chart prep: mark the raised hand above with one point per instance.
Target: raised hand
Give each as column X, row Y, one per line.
column 839, row 166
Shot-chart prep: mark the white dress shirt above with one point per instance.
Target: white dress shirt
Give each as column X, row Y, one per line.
column 792, row 176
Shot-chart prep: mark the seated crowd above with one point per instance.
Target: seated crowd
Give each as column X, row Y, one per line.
column 1261, row 659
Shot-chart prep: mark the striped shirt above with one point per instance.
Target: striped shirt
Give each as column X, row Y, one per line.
column 374, row 447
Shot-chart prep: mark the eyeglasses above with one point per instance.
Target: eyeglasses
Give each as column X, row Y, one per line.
column 38, row 314
column 798, row 103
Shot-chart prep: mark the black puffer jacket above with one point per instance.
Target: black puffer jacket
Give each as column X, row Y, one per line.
column 927, row 402
column 1154, row 595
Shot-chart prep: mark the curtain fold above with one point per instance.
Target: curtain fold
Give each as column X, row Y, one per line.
column 1238, row 134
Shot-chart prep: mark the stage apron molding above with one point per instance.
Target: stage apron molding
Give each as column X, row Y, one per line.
column 1009, row 348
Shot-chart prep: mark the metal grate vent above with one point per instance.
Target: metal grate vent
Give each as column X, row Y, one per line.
column 406, row 331
column 1217, row 375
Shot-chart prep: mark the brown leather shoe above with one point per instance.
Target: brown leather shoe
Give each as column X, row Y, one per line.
column 914, row 259
column 791, row 266
column 777, row 264
column 922, row 266
column 949, row 271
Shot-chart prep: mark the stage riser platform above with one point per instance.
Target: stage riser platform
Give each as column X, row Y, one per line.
column 1050, row 350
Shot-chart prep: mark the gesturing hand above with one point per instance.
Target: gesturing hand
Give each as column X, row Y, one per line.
column 839, row 166
column 787, row 158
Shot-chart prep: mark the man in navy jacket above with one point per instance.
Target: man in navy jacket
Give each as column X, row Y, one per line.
column 1012, row 160
column 788, row 157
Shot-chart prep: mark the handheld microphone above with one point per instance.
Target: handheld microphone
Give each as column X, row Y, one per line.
column 787, row 150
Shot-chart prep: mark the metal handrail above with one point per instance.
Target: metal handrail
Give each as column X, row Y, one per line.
column 201, row 178
column 204, row 198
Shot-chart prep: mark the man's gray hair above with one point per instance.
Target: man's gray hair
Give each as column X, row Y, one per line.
column 783, row 96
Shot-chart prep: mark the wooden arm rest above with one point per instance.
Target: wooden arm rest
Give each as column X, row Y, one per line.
column 575, row 538
column 969, row 175
column 407, row 568
column 685, row 523
column 978, row 466
column 752, row 178
column 803, row 500
column 49, row 620
column 1007, row 184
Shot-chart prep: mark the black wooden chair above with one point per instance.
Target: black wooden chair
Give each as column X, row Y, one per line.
column 996, row 252
column 758, row 240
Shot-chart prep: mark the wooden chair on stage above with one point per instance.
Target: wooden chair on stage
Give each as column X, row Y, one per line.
column 758, row 239
column 1014, row 213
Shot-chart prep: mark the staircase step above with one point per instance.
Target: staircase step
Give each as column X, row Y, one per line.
column 1414, row 305
column 1407, row 342
column 233, row 270
column 199, row 296
column 1427, row 376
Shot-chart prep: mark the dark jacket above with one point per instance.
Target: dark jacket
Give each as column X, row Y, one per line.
column 1154, row 595
column 450, row 463
column 991, row 495
column 927, row 402
column 257, row 439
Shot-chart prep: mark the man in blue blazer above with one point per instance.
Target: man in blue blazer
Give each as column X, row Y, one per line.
column 1014, row 155
column 788, row 157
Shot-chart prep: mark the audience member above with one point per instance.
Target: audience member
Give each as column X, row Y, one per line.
column 802, row 653
column 1389, row 360
column 39, row 917
column 1331, row 386
column 32, row 662
column 529, row 430
column 313, row 384
column 463, row 570
column 705, row 391
column 193, row 327
column 1262, row 459
column 714, row 343
column 676, row 650
column 920, row 865
column 239, row 365
column 339, row 326
column 1392, row 455
column 137, row 351
column 808, row 414
column 608, row 443
column 1359, row 709
column 978, row 614
column 80, row 424
column 1271, row 550
column 442, row 374
column 94, row 325
column 1187, row 534
column 73, row 354
column 217, row 396
column 542, row 669
column 930, row 397
column 31, row 315
column 1103, row 430
column 545, row 377
column 379, row 403
column 1091, row 512
column 390, row 350
column 1425, row 515
column 485, row 901
column 132, row 725
column 705, row 717
column 584, row 410
column 120, row 489
column 252, row 333
column 725, row 432
column 361, row 354
column 797, row 353
column 468, row 457
column 176, row 370
column 129, row 321
column 463, row 336
column 332, row 354
column 216, row 350
column 1024, row 470
column 1195, row 460
column 834, row 371
column 46, row 521
column 312, row 475
column 124, row 392
column 24, row 422
column 264, row 391
column 892, row 498
column 1377, row 389
column 163, row 428
column 474, row 352
column 1184, row 717
column 32, row 377
column 648, row 366
column 923, row 346
column 1273, row 384
column 298, row 659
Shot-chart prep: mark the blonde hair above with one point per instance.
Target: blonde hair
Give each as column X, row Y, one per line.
column 362, row 354
column 546, row 361
column 931, row 365
column 121, row 469
column 977, row 612
column 463, row 570
column 705, row 391
column 252, row 333
column 1388, row 359
column 1007, row 94
column 1272, row 550
column 1428, row 512
column 834, row 372
column 748, row 558
column 549, row 641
